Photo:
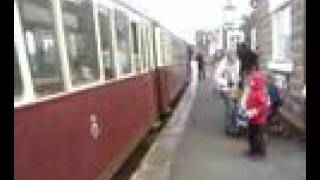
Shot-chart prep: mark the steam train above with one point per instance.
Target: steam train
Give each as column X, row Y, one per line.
column 90, row 77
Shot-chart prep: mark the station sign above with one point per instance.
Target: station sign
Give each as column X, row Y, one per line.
column 286, row 67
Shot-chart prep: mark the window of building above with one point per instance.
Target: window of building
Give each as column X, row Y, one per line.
column 122, row 32
column 282, row 35
column 80, row 38
column 17, row 77
column 106, row 42
column 39, row 31
column 204, row 39
column 253, row 38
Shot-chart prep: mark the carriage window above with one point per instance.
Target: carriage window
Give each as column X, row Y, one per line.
column 122, row 32
column 143, row 48
column 37, row 21
column 17, row 77
column 134, row 38
column 150, row 43
column 135, row 42
column 148, row 47
column 105, row 36
column 81, row 43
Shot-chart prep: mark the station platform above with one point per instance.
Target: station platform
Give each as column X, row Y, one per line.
column 193, row 145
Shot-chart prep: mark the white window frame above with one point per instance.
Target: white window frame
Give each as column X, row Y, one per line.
column 65, row 58
column 275, row 30
column 139, row 31
column 130, row 45
column 147, row 46
column 151, row 48
column 134, row 18
column 28, row 96
column 158, row 46
column 62, row 50
column 118, row 65
column 111, row 6
column 144, row 52
column 114, row 42
column 98, row 39
column 147, row 43
column 27, row 90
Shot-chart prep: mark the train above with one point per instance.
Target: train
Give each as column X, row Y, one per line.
column 90, row 78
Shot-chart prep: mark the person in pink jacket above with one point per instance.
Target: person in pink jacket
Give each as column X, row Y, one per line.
column 257, row 109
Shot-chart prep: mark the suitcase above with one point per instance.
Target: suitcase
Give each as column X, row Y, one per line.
column 237, row 123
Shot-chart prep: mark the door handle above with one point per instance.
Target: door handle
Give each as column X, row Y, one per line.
column 94, row 127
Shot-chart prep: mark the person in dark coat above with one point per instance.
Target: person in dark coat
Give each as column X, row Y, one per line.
column 190, row 54
column 201, row 65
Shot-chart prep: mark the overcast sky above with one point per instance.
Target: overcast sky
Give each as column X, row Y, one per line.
column 184, row 17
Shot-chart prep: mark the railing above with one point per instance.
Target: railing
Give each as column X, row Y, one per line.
column 293, row 115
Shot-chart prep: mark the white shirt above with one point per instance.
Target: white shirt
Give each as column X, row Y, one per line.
column 234, row 70
column 221, row 82
column 231, row 69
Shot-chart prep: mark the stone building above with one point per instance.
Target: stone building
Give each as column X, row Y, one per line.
column 246, row 28
column 204, row 40
column 279, row 27
column 262, row 26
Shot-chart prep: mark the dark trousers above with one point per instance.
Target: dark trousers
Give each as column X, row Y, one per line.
column 226, row 101
column 257, row 139
column 273, row 112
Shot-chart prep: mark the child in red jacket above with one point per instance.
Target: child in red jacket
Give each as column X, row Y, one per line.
column 257, row 109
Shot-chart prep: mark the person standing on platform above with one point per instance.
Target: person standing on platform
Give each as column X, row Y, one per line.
column 202, row 73
column 190, row 54
column 257, row 110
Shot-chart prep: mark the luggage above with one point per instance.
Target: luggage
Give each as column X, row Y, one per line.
column 236, row 122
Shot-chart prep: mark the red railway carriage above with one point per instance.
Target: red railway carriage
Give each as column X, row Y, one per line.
column 89, row 79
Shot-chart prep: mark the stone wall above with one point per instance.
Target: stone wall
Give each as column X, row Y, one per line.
column 297, row 79
column 261, row 20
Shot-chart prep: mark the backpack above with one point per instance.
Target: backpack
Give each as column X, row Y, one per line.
column 274, row 95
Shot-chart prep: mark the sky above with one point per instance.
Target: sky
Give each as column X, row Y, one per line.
column 184, row 17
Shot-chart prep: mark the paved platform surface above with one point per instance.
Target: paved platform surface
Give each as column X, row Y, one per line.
column 193, row 146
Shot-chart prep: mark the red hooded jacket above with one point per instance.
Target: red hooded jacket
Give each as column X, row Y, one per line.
column 257, row 97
